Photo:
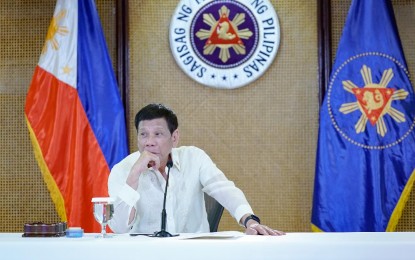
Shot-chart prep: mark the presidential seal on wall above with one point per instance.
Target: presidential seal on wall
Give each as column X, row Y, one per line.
column 224, row 43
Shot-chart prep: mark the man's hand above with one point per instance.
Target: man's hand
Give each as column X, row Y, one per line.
column 145, row 161
column 255, row 228
column 258, row 229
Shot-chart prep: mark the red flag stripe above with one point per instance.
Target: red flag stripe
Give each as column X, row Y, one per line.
column 68, row 146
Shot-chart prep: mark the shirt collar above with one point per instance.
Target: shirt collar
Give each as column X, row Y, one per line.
column 175, row 158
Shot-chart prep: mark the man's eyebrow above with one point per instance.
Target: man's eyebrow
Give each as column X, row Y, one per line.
column 155, row 128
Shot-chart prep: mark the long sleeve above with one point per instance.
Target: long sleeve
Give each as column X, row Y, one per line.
column 222, row 189
column 125, row 197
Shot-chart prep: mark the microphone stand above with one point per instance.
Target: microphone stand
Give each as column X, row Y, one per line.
column 163, row 232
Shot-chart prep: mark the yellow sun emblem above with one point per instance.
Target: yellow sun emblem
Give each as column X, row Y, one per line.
column 224, row 34
column 374, row 101
column 55, row 28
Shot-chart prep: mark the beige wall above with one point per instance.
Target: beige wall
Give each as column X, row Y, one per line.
column 263, row 136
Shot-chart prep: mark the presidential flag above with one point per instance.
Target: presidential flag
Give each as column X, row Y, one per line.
column 366, row 144
column 74, row 112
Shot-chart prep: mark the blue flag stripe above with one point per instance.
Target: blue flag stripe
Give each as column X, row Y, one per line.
column 97, row 87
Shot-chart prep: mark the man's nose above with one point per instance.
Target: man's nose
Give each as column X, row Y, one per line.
column 150, row 140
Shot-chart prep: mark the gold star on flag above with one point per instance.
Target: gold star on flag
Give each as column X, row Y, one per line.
column 66, row 70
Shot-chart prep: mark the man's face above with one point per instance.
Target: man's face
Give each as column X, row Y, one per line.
column 154, row 136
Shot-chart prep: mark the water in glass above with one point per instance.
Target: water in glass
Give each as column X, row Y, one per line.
column 103, row 212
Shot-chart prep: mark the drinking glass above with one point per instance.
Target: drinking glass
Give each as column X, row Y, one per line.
column 103, row 211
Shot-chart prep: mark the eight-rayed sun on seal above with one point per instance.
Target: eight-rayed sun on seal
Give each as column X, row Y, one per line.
column 224, row 34
column 374, row 101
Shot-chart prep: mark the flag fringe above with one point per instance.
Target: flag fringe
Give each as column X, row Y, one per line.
column 314, row 228
column 55, row 193
column 397, row 212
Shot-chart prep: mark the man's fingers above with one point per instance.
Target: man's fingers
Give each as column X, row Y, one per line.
column 251, row 231
column 151, row 164
column 152, row 160
column 258, row 229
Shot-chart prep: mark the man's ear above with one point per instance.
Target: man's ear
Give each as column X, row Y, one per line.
column 175, row 137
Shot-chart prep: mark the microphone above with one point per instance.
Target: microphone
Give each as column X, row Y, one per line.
column 163, row 232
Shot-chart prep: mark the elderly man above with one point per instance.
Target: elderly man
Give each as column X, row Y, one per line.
column 138, row 182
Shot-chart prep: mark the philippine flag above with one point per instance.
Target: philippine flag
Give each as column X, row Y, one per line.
column 74, row 112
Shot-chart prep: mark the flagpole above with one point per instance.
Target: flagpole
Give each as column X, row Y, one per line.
column 324, row 46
